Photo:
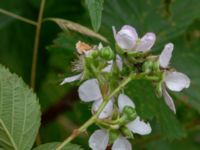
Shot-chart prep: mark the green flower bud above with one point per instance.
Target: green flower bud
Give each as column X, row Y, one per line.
column 147, row 66
column 94, row 53
column 113, row 135
column 127, row 133
column 156, row 66
column 107, row 53
column 129, row 112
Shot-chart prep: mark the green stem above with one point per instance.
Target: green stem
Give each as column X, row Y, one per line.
column 36, row 44
column 94, row 117
column 26, row 20
column 35, row 54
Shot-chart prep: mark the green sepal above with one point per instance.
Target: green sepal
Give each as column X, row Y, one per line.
column 127, row 133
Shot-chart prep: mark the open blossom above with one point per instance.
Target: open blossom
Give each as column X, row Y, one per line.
column 127, row 39
column 89, row 91
column 175, row 81
column 100, row 138
column 83, row 49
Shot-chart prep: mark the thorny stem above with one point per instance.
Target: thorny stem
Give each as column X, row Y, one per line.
column 92, row 120
column 36, row 44
column 26, row 20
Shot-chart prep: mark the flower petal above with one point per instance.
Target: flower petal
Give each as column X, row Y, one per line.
column 124, row 100
column 71, row 79
column 166, row 55
column 176, row 81
column 108, row 68
column 121, row 144
column 126, row 38
column 146, row 42
column 99, row 140
column 119, row 62
column 140, row 127
column 107, row 111
column 168, row 100
column 89, row 91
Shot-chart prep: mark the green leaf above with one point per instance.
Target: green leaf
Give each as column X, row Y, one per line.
column 19, row 112
column 95, row 8
column 52, row 146
column 149, row 106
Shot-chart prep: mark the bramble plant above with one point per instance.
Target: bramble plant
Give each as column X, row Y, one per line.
column 105, row 73
column 126, row 83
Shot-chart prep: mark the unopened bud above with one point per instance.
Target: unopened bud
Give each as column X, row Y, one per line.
column 147, row 66
column 129, row 112
column 107, row 53
column 113, row 135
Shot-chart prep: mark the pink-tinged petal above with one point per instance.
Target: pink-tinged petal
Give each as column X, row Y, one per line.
column 124, row 100
column 71, row 79
column 166, row 55
column 89, row 91
column 139, row 127
column 126, row 38
column 99, row 140
column 146, row 42
column 107, row 111
column 168, row 100
column 121, row 144
column 119, row 62
column 176, row 81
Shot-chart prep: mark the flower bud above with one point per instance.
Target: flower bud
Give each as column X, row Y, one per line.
column 113, row 135
column 107, row 53
column 156, row 66
column 127, row 133
column 147, row 66
column 94, row 53
column 128, row 114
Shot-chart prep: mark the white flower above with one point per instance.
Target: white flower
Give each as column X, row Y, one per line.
column 121, row 144
column 136, row 126
column 80, row 46
column 100, row 138
column 127, row 39
column 175, row 81
column 89, row 91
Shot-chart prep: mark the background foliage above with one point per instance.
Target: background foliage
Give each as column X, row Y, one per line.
column 176, row 21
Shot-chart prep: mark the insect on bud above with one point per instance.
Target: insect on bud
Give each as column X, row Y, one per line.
column 107, row 53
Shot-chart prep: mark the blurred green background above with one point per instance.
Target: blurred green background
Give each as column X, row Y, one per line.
column 176, row 21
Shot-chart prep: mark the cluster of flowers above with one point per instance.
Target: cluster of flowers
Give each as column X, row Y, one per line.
column 99, row 66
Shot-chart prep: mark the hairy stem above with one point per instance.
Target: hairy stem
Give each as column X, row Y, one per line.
column 26, row 20
column 36, row 44
column 94, row 117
